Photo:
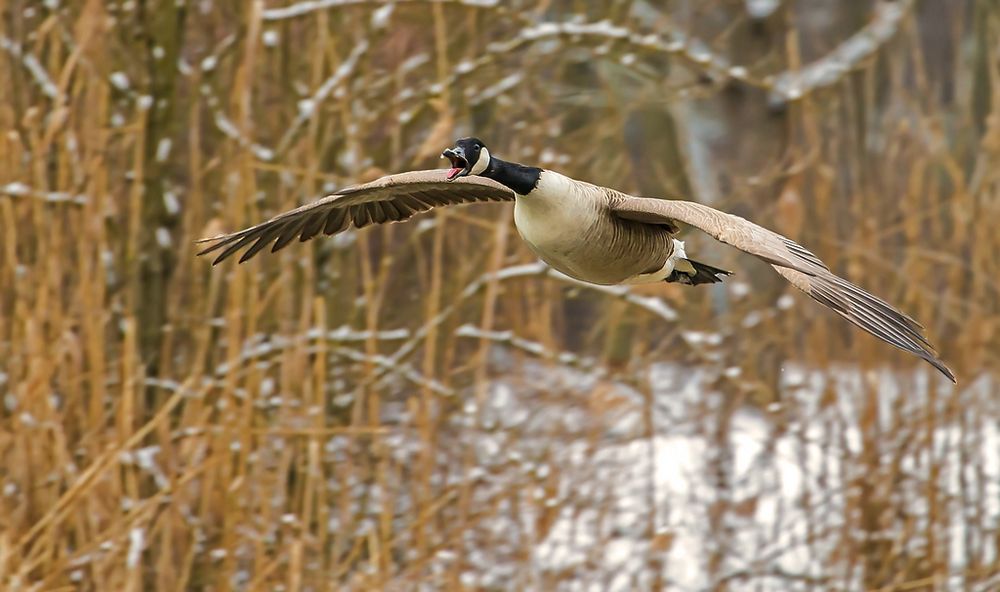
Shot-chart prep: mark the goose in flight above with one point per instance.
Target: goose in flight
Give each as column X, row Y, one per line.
column 588, row 232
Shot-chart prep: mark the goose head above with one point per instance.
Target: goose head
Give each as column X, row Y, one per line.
column 468, row 156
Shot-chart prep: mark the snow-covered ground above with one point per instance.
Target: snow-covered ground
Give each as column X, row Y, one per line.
column 620, row 490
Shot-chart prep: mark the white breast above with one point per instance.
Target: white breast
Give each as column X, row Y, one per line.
column 557, row 220
column 568, row 225
column 553, row 215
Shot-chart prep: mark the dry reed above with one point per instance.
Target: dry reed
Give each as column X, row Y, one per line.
column 423, row 407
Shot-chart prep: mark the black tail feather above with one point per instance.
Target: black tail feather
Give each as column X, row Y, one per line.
column 703, row 274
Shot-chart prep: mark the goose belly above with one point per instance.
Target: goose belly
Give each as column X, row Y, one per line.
column 591, row 248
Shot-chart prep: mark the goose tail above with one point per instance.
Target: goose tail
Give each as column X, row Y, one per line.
column 694, row 273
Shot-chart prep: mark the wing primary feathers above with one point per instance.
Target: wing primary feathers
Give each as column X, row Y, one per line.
column 411, row 203
column 891, row 326
column 830, row 298
column 804, row 253
column 376, row 212
column 430, row 199
column 265, row 239
column 238, row 243
column 867, row 312
column 797, row 264
column 288, row 234
column 217, row 242
column 393, row 213
column 393, row 198
column 336, row 222
column 312, row 226
column 883, row 328
column 361, row 216
column 878, row 302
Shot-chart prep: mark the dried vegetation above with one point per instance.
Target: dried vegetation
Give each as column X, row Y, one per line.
column 421, row 405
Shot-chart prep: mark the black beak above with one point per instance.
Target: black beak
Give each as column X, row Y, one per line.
column 459, row 166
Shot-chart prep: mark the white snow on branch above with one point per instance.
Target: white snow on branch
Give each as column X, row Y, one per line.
column 651, row 304
column 137, row 541
column 694, row 52
column 255, row 349
column 32, row 65
column 229, row 128
column 18, row 189
column 849, row 55
column 526, row 345
column 307, row 107
column 309, row 6
column 404, row 370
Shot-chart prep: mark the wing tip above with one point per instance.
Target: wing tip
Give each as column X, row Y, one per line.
column 211, row 248
column 220, row 242
column 246, row 256
column 941, row 367
column 206, row 250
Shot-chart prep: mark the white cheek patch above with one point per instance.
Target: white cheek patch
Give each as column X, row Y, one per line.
column 482, row 163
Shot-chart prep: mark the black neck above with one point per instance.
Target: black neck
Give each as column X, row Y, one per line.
column 517, row 177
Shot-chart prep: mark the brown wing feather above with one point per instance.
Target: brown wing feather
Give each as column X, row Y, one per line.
column 796, row 264
column 390, row 199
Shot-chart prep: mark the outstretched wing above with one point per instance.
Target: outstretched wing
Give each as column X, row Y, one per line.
column 796, row 264
column 393, row 198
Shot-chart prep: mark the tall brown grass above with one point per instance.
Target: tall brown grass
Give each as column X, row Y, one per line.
column 310, row 420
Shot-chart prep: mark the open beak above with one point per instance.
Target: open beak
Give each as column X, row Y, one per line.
column 459, row 166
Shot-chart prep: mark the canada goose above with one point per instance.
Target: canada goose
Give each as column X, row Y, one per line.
column 588, row 232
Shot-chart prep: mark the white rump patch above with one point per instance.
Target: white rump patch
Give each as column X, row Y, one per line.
column 678, row 251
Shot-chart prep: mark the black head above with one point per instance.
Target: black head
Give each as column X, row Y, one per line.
column 469, row 156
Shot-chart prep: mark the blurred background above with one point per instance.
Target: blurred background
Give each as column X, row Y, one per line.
column 423, row 406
